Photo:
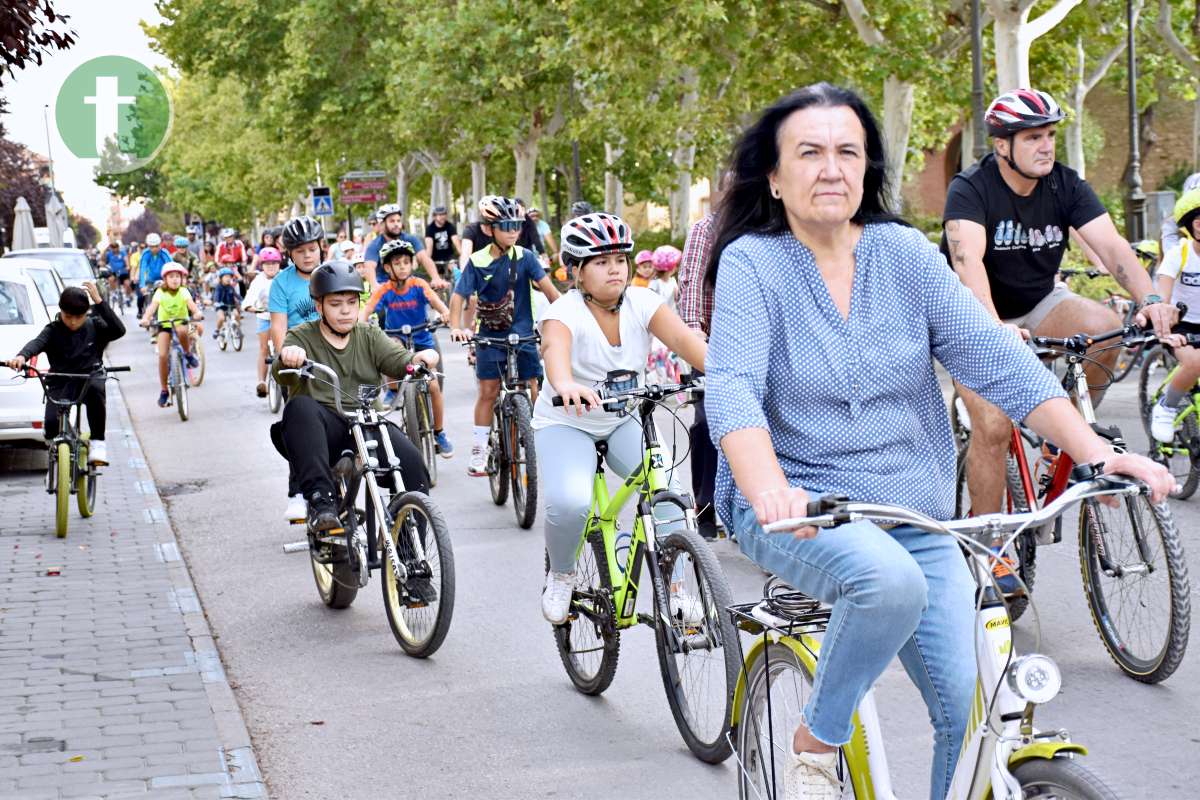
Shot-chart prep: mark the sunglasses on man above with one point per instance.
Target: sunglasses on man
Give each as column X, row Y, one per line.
column 507, row 225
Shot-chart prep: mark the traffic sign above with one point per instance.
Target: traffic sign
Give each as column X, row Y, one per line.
column 368, row 173
column 322, row 201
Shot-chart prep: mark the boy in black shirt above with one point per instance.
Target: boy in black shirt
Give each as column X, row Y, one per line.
column 75, row 342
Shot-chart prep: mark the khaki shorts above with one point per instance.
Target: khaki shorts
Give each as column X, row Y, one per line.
column 1036, row 315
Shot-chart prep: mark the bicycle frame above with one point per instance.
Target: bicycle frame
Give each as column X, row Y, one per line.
column 650, row 483
column 1191, row 408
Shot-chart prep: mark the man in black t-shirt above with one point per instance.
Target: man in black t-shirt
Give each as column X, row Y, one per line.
column 1007, row 221
column 441, row 239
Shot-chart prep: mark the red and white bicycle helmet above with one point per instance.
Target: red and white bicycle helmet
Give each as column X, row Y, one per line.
column 666, row 258
column 595, row 234
column 1020, row 110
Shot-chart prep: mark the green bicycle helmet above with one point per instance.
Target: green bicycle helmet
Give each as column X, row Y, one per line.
column 1186, row 209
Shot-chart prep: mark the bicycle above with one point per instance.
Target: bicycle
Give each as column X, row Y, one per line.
column 69, row 472
column 230, row 331
column 693, row 641
column 413, row 552
column 405, row 333
column 1129, row 560
column 1182, row 454
column 274, row 392
column 512, row 459
column 1003, row 755
column 179, row 374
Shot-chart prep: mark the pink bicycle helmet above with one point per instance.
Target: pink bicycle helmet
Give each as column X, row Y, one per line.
column 269, row 254
column 174, row 267
column 666, row 258
column 643, row 256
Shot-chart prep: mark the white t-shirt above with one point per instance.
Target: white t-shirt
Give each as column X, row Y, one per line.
column 666, row 289
column 257, row 294
column 1183, row 264
column 592, row 357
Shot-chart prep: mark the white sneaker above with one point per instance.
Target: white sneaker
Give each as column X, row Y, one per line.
column 478, row 466
column 686, row 608
column 811, row 776
column 556, row 597
column 1162, row 423
column 97, row 454
column 297, row 509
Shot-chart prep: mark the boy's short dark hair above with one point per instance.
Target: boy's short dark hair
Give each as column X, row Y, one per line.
column 73, row 300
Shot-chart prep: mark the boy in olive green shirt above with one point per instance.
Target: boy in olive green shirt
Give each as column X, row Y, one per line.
column 312, row 435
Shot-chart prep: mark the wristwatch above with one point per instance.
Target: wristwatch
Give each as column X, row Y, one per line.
column 1150, row 300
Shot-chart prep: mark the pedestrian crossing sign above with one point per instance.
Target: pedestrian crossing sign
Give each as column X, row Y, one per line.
column 322, row 201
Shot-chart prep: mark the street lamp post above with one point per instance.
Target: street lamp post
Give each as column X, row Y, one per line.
column 1135, row 200
column 978, row 142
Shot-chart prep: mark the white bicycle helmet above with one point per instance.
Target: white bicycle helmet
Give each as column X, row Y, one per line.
column 495, row 208
column 153, row 240
column 595, row 234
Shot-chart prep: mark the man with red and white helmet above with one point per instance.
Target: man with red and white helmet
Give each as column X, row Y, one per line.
column 1007, row 221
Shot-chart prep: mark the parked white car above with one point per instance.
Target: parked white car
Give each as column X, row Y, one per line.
column 22, row 317
column 45, row 277
column 72, row 265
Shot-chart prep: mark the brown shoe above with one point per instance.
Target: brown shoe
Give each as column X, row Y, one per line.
column 261, row 390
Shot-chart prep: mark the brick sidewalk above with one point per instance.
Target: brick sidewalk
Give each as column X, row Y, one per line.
column 110, row 683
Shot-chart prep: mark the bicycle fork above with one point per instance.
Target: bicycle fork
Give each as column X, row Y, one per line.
column 375, row 498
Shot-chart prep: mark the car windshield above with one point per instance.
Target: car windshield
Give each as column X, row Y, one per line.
column 69, row 265
column 14, row 304
column 46, row 285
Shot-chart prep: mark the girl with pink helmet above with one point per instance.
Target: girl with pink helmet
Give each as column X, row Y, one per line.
column 643, row 269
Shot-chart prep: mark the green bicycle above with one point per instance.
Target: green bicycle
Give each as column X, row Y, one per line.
column 696, row 641
column 1181, row 455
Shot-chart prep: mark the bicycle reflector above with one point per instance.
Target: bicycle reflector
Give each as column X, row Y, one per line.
column 1034, row 678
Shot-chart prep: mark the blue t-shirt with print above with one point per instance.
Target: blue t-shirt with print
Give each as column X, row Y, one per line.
column 376, row 244
column 289, row 295
column 151, row 266
column 488, row 278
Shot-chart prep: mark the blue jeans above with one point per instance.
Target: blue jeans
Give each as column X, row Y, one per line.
column 900, row 592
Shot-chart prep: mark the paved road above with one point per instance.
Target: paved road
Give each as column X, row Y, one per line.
column 335, row 708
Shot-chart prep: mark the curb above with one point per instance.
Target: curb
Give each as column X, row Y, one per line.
column 241, row 777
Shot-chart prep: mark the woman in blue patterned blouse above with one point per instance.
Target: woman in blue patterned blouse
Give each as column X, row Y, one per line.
column 829, row 314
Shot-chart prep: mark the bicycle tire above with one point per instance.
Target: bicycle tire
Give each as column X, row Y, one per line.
column 416, row 429
column 222, row 338
column 712, row 588
column 239, row 338
column 337, row 583
column 85, row 484
column 582, row 635
column 428, row 439
column 62, row 490
column 1152, row 664
column 522, row 468
column 1157, row 364
column 1025, row 544
column 274, row 395
column 419, row 641
column 1060, row 778
column 1127, row 358
column 497, row 459
column 760, row 762
column 197, row 375
column 1188, row 436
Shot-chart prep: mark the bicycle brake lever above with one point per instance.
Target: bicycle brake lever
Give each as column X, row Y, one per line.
column 827, row 504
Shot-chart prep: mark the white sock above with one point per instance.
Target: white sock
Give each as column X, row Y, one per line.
column 481, row 435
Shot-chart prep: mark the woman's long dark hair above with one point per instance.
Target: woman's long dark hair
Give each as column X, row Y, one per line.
column 747, row 205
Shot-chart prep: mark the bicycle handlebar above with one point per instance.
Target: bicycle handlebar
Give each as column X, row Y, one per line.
column 510, row 340
column 409, row 330
column 1129, row 334
column 831, row 511
column 611, row 401
column 306, row 371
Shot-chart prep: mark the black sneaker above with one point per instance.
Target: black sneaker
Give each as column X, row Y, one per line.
column 422, row 591
column 322, row 513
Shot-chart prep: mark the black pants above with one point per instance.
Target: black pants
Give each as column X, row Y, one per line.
column 312, row 438
column 704, row 466
column 93, row 401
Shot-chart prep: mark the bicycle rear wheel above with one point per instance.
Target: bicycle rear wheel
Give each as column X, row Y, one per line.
column 777, row 687
column 1060, row 779
column 196, row 376
column 419, row 609
column 1156, row 366
column 179, row 387
column 62, row 489
column 589, row 642
column 419, row 427
column 497, row 460
column 523, row 466
column 1136, row 581
column 337, row 582
column 698, row 654
column 223, row 336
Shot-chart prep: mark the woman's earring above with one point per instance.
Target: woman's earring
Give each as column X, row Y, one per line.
column 775, row 192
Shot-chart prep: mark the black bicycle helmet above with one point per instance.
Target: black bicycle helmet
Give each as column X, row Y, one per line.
column 580, row 208
column 395, row 246
column 301, row 230
column 333, row 277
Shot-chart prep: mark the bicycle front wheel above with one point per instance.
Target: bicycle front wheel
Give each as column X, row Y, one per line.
column 1060, row 779
column 778, row 686
column 237, row 336
column 523, row 465
column 698, row 652
column 419, row 608
column 1136, row 581
column 589, row 642
column 274, row 396
column 62, row 489
column 223, row 337
column 497, row 460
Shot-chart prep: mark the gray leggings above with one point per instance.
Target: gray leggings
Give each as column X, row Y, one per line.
column 567, row 461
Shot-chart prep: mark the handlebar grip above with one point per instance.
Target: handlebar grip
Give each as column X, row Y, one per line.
column 825, row 504
column 1182, row 308
column 557, row 402
column 119, row 369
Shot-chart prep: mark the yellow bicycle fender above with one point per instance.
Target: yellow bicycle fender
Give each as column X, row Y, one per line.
column 739, row 691
column 1045, row 750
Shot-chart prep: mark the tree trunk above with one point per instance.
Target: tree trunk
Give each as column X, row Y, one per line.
column 685, row 155
column 897, row 126
column 478, row 189
column 525, row 154
column 614, row 189
column 1013, row 33
column 1075, row 98
column 1196, row 131
column 403, row 176
column 542, row 197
